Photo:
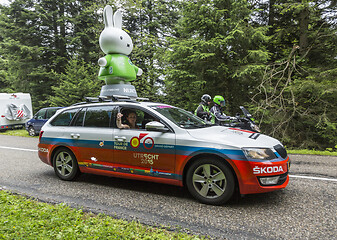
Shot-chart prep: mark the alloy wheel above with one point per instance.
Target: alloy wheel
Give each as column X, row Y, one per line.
column 64, row 164
column 209, row 181
column 31, row 131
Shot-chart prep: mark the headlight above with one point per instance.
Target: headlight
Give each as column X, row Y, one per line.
column 259, row 153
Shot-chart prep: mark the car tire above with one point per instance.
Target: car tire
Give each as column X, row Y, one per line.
column 31, row 131
column 65, row 164
column 210, row 181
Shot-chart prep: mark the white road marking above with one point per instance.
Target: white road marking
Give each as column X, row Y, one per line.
column 19, row 149
column 314, row 178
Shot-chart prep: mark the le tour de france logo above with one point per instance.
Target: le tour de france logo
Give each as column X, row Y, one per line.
column 148, row 142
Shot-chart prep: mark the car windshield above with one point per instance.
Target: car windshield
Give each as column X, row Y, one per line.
column 181, row 117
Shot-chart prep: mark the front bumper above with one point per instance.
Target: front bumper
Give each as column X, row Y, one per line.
column 273, row 180
column 256, row 177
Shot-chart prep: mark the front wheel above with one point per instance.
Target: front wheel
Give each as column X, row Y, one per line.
column 210, row 181
column 65, row 164
column 31, row 131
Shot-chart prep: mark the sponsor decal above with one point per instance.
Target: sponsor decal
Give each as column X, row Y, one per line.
column 254, row 136
column 45, row 150
column 120, row 145
column 237, row 132
column 20, row 113
column 148, row 142
column 143, row 172
column 135, row 141
column 241, row 130
column 146, row 158
column 93, row 159
column 101, row 144
column 129, row 90
column 13, row 112
column 164, row 146
column 273, row 169
column 84, row 164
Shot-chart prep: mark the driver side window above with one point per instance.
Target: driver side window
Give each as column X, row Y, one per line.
column 40, row 114
column 133, row 118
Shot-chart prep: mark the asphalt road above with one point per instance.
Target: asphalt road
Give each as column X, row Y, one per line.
column 306, row 209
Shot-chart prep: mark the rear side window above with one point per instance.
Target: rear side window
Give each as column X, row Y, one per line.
column 80, row 118
column 51, row 112
column 64, row 118
column 98, row 116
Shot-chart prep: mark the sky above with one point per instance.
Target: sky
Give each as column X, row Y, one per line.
column 4, row 2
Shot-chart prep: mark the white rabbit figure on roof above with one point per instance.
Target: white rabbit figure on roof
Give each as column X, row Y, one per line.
column 116, row 66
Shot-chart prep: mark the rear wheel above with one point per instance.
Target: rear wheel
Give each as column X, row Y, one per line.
column 65, row 164
column 31, row 131
column 210, row 181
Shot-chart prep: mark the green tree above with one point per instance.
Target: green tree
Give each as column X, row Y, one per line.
column 149, row 22
column 77, row 82
column 38, row 37
column 296, row 98
column 22, row 52
column 217, row 51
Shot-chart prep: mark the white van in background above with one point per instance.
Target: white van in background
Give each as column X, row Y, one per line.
column 15, row 110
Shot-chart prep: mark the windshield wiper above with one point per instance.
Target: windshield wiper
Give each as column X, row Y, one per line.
column 193, row 125
column 210, row 124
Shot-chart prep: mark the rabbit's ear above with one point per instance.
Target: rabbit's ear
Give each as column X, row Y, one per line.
column 118, row 19
column 107, row 15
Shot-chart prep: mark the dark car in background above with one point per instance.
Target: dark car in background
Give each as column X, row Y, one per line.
column 34, row 125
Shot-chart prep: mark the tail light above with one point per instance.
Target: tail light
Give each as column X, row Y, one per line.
column 40, row 136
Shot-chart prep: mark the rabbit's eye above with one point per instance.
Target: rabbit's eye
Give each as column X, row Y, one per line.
column 128, row 45
column 121, row 37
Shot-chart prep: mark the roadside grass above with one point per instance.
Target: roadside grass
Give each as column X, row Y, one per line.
column 312, row 152
column 17, row 132
column 23, row 218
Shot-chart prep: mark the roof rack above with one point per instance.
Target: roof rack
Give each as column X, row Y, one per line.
column 76, row 104
column 113, row 98
column 142, row 99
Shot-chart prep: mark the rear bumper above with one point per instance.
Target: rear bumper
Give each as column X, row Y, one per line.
column 12, row 126
column 44, row 151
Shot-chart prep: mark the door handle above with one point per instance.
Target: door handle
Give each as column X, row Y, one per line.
column 75, row 135
column 120, row 138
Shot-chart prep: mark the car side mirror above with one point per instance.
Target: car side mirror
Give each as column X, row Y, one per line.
column 156, row 126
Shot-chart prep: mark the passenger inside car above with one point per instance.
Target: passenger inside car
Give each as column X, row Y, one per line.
column 131, row 119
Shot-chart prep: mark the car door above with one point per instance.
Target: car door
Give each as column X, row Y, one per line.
column 144, row 152
column 91, row 134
